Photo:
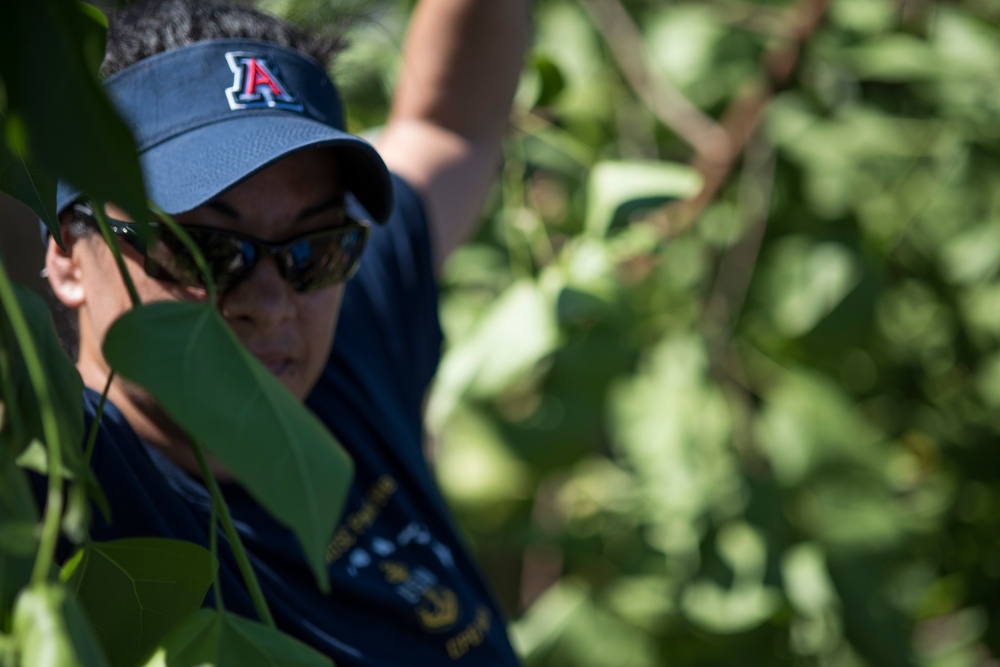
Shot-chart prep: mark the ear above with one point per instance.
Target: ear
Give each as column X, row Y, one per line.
column 63, row 267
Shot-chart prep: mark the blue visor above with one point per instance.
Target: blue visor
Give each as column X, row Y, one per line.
column 207, row 116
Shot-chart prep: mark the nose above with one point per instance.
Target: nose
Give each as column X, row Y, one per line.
column 264, row 299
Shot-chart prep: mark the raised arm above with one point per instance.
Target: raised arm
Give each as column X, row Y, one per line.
column 461, row 62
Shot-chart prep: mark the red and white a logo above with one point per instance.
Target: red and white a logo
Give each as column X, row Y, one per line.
column 257, row 83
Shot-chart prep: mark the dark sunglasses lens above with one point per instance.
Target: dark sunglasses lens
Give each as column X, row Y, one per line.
column 229, row 258
column 167, row 259
column 323, row 259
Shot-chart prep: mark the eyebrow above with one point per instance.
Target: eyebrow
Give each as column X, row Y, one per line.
column 227, row 210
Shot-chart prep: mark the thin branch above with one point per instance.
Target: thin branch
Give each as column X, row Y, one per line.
column 736, row 269
column 741, row 120
column 729, row 291
column 220, row 512
column 668, row 104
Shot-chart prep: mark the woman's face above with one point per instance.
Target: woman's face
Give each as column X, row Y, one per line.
column 288, row 331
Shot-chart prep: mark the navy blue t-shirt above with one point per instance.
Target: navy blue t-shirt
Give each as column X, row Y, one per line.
column 404, row 591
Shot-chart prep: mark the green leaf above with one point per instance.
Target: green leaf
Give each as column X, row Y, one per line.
column 551, row 81
column 222, row 639
column 569, row 626
column 36, row 459
column 808, row 423
column 878, row 630
column 49, row 50
column 134, row 591
column 896, row 58
column 618, row 189
column 807, row 581
column 737, row 609
column 186, row 356
column 682, row 41
column 8, row 651
column 76, row 516
column 475, row 468
column 803, row 281
column 18, row 536
column 51, row 631
column 517, row 332
column 673, row 426
column 865, row 16
column 23, row 436
column 65, row 385
column 23, row 180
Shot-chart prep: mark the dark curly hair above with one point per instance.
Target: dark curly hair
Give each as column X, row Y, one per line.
column 149, row 27
column 152, row 26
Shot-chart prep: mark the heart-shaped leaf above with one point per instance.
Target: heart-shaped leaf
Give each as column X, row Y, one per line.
column 134, row 591
column 218, row 638
column 186, row 356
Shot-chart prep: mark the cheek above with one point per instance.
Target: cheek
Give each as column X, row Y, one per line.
column 107, row 297
column 318, row 313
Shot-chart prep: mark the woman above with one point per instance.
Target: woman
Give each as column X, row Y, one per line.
column 241, row 138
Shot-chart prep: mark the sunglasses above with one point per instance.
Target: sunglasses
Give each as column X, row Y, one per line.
column 308, row 262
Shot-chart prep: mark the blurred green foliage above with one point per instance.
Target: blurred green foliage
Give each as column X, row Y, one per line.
column 761, row 437
column 765, row 437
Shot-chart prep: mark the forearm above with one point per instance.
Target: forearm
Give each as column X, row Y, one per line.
column 461, row 65
column 461, row 62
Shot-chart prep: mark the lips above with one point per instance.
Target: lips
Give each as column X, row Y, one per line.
column 276, row 362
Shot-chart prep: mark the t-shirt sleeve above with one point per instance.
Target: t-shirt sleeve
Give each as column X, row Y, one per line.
column 389, row 315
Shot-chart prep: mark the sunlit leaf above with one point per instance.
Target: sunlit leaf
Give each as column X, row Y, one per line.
column 682, row 39
column 672, row 426
column 51, row 630
column 186, row 356
column 569, row 41
column 541, row 83
column 802, row 282
column 896, row 58
column 567, row 626
column 475, row 469
column 509, row 341
column 134, row 591
column 721, row 610
column 973, row 256
column 808, row 423
column 807, row 581
column 616, row 189
column 220, row 639
column 966, row 43
column 870, row 16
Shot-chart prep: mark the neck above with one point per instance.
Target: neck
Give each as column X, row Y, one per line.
column 149, row 421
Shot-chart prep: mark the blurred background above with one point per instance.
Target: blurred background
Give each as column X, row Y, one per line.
column 751, row 426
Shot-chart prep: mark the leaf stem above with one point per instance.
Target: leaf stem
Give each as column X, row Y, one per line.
column 213, row 544
column 192, row 247
column 249, row 578
column 95, row 425
column 109, row 238
column 50, row 427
